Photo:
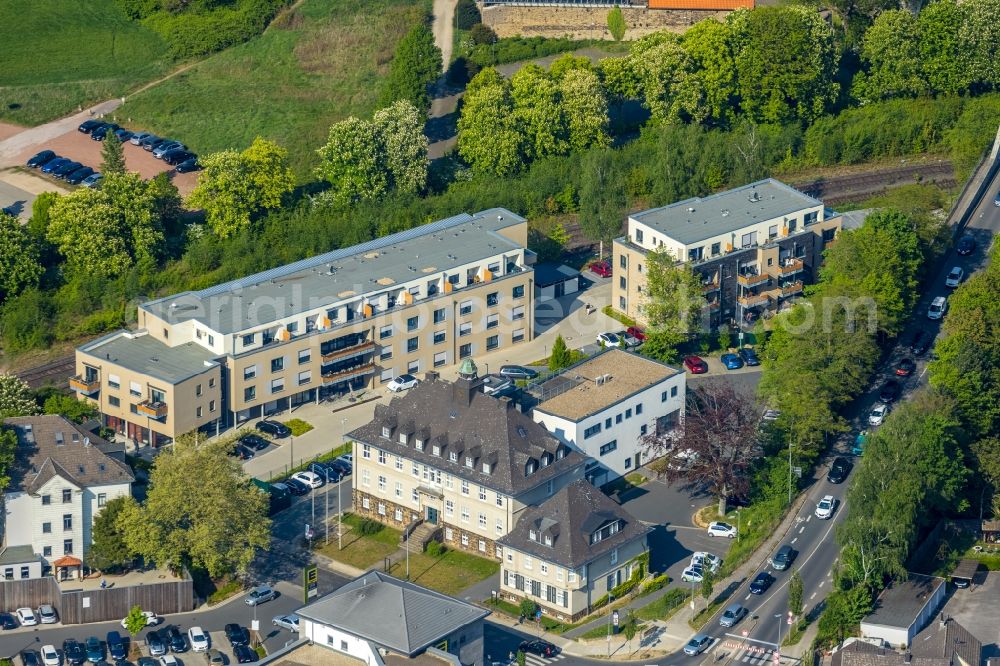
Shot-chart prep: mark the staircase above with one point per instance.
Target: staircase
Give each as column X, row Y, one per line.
column 421, row 533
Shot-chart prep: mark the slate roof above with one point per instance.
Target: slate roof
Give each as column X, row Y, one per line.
column 459, row 418
column 51, row 445
column 901, row 603
column 569, row 517
column 392, row 613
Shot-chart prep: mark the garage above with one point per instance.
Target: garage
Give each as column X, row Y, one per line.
column 555, row 281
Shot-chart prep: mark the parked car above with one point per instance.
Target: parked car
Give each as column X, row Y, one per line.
column 311, row 479
column 966, row 245
column 719, row 528
column 50, row 656
column 703, row 559
column 7, row 621
column 878, row 414
column 296, row 487
column 601, row 268
column 326, row 471
column 889, row 391
column 517, row 372
column 839, row 470
column 697, row 645
column 177, row 155
column 30, row 658
column 26, row 617
column 139, row 137
column 237, row 634
column 749, row 356
column 919, row 343
column 241, row 452
column 166, row 147
column 289, row 622
column 254, row 442
column 905, row 367
column 116, row 646
column 53, row 164
column 73, row 652
column 101, row 133
column 955, row 277
column 198, row 639
column 214, row 658
column 274, row 428
column 47, row 614
column 996, row 201
column 761, row 582
column 541, row 648
column 695, row 365
column 402, row 383
column 343, row 467
column 169, row 660
column 636, row 333
column 825, row 507
column 937, row 307
column 188, row 165
column 151, row 620
column 244, row 655
column 693, row 574
column 92, row 180
column 783, row 558
column 94, row 649
column 859, row 443
column 629, row 340
column 151, row 142
column 155, row 643
column 38, row 159
column 66, row 169
column 79, row 175
column 123, row 134
column 176, row 639
column 731, row 361
column 88, row 126
column 771, row 414
column 609, row 339
column 733, row 614
column 259, row 595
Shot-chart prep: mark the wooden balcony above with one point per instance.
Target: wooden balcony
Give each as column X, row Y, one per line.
column 81, row 384
column 791, row 289
column 348, row 352
column 791, row 267
column 349, row 373
column 752, row 280
column 154, row 410
column 753, row 300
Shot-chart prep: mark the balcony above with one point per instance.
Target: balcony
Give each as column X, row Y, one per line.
column 349, row 373
column 85, row 385
column 153, row 409
column 752, row 300
column 711, row 306
column 790, row 289
column 791, row 267
column 709, row 287
column 752, row 279
column 349, row 352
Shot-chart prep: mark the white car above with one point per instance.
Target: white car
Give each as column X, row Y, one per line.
column 937, row 308
column 771, row 414
column 825, row 507
column 151, row 620
column 50, row 656
column 703, row 559
column 26, row 617
column 311, row 479
column 878, row 414
column 693, row 574
column 289, row 622
column 402, row 383
column 198, row 639
column 169, row 660
column 609, row 340
column 719, row 528
column 955, row 277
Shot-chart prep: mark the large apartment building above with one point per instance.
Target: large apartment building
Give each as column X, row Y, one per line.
column 448, row 455
column 753, row 246
column 338, row 322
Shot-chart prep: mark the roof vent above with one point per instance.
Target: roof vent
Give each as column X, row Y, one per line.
column 690, row 209
column 86, row 441
column 725, row 213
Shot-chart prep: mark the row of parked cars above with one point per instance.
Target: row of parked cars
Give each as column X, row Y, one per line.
column 172, row 152
column 28, row 617
column 73, row 172
column 318, row 475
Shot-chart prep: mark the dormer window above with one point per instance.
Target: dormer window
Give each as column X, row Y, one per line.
column 546, row 459
column 386, row 431
column 453, row 456
column 606, row 531
column 420, row 445
column 548, row 540
column 486, row 468
column 533, row 535
column 403, row 438
column 470, row 462
column 530, row 468
column 436, row 450
column 560, row 453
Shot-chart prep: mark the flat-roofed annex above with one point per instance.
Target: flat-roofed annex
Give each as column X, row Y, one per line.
column 324, row 280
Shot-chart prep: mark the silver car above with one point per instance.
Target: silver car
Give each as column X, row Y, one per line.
column 697, row 645
column 289, row 622
column 733, row 614
column 259, row 595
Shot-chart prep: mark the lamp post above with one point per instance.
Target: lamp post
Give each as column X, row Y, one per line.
column 340, row 506
column 780, row 618
column 789, row 472
column 611, row 599
column 291, row 453
column 739, row 524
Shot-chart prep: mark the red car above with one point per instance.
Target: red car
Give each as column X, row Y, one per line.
column 602, row 268
column 696, row 365
column 636, row 333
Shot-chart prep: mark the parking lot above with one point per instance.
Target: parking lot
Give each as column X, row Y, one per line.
column 975, row 609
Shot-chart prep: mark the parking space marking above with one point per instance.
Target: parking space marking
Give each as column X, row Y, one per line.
column 746, row 597
column 822, row 583
column 813, row 596
column 809, row 517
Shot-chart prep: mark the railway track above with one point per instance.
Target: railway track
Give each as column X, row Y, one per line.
column 55, row 373
column 839, row 189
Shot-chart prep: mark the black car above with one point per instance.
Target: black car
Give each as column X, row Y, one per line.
column 296, row 487
column 890, row 391
column 966, row 245
column 176, row 639
column 760, row 584
column 254, row 442
column 7, row 621
column 343, row 467
column 326, row 471
column 88, row 126
column 539, row 647
column 66, row 169
column 188, row 166
column 242, row 452
column 30, row 658
column 920, row 343
column 517, row 372
column 749, row 356
column 237, row 635
column 147, row 661
column 274, row 428
column 839, row 470
column 102, row 132
column 77, row 176
column 244, row 655
column 783, row 558
column 116, row 646
column 73, row 652
column 41, row 158
column 150, row 142
column 54, row 164
column 176, row 156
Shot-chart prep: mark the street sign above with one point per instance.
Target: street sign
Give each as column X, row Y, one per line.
column 614, row 618
column 254, row 625
column 310, row 582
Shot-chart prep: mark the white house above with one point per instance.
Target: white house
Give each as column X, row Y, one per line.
column 605, row 405
column 62, row 477
column 904, row 609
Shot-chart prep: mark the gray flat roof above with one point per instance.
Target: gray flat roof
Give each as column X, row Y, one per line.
column 725, row 212
column 900, row 604
column 551, row 273
column 372, row 267
column 18, row 555
column 144, row 353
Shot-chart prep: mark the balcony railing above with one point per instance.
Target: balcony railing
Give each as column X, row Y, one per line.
column 790, row 289
column 349, row 373
column 791, row 266
column 84, row 385
column 753, row 300
column 709, row 287
column 348, row 352
column 152, row 409
column 752, row 279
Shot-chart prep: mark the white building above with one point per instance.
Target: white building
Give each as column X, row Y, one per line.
column 605, row 405
column 904, row 609
column 62, row 477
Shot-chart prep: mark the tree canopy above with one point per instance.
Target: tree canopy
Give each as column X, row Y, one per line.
column 19, row 257
column 15, row 397
column 415, row 65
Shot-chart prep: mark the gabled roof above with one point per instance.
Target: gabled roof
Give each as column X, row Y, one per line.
column 458, row 418
column 568, row 518
column 944, row 642
column 392, row 613
column 50, row 445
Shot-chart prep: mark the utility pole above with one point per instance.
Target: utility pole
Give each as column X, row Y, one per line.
column 340, row 506
column 326, row 514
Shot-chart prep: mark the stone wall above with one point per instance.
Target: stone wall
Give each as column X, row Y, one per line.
column 587, row 22
column 455, row 542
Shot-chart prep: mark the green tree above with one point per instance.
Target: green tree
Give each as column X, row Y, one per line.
column 38, row 225
column 586, row 109
column 490, row 136
column 108, row 550
column 945, row 60
column 467, row 14
column 602, row 195
column 569, row 62
column 15, row 397
column 621, row 78
column 135, row 621
column 415, row 65
column 673, row 299
column 68, row 406
column 235, row 187
column 19, row 260
column 112, row 155
column 401, row 132
column 670, row 89
column 616, row 23
column 795, row 594
column 353, row 161
column 980, row 33
column 217, row 526
column 707, row 583
column 8, row 451
column 709, row 45
column 561, row 356
column 27, row 321
column 540, row 112
column 522, row 659
column 482, row 34
column 891, row 50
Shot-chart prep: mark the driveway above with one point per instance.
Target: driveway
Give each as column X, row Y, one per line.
column 975, row 608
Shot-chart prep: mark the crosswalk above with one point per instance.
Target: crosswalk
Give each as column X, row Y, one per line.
column 535, row 660
column 750, row 654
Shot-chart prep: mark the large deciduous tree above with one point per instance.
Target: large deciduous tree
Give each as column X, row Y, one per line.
column 19, row 264
column 672, row 300
column 891, row 50
column 585, row 107
column 541, row 114
column 491, row 136
column 714, row 447
column 415, row 65
column 109, row 550
column 709, row 43
column 15, row 397
column 402, row 133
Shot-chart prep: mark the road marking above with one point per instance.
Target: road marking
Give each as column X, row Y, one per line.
column 813, row 596
column 794, row 540
column 747, row 597
column 802, row 530
column 822, row 583
column 809, row 517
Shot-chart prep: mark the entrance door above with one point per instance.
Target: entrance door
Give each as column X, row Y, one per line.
column 638, row 460
column 432, row 515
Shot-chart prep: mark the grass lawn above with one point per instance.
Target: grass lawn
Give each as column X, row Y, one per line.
column 449, row 573
column 59, row 55
column 362, row 551
column 298, row 426
column 312, row 67
column 665, row 606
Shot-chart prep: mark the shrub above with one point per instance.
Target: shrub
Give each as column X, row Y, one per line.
column 528, row 607
column 655, row 584
column 435, row 549
column 616, row 23
column 368, row 527
column 192, row 33
column 467, row 14
column 482, row 35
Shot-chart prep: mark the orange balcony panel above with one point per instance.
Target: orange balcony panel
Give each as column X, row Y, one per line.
column 85, row 386
column 155, row 410
column 752, row 280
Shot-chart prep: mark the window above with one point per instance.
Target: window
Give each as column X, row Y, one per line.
column 8, row 573
column 381, row 483
column 102, row 499
column 114, row 381
column 249, row 393
column 499, row 499
column 291, row 327
column 440, row 315
column 441, row 358
column 673, row 391
column 493, row 342
column 482, row 494
column 618, row 419
column 67, row 496
column 381, row 509
column 449, row 508
column 812, row 217
column 465, row 351
column 518, row 291
column 622, row 282
column 250, row 372
column 413, row 367
column 385, row 355
column 67, row 547
column 67, row 521
column 46, row 528
column 366, row 450
column 278, row 364
column 47, row 551
column 465, row 307
column 305, row 355
column 605, row 532
column 382, row 455
column 621, row 302
column 412, row 344
column 517, row 335
column 465, row 539
column 614, row 556
column 792, row 224
column 829, row 235
column 135, row 388
column 114, row 401
column 385, row 332
column 628, row 413
column 544, row 569
column 482, row 546
column 366, row 479
column 199, row 411
column 772, row 231
column 465, row 487
column 499, row 527
column 399, row 462
column 465, row 514
column 591, row 431
column 609, row 447
column 465, row 328
column 439, row 337
column 528, row 564
column 46, row 500
column 492, row 321
column 197, row 390
column 449, row 535
column 25, row 572
column 278, row 385
column 305, row 377
column 492, row 299
column 517, row 313
column 642, row 430
column 248, row 339
column 399, row 489
column 482, row 521
column 628, row 462
column 411, row 323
